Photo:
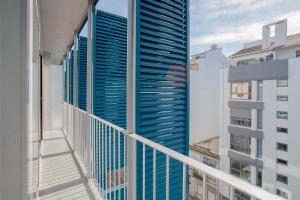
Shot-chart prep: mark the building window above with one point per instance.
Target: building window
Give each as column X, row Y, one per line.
column 259, row 119
column 259, row 177
column 282, row 115
column 259, row 148
column 259, row 90
column 282, row 178
column 282, row 147
column 241, row 90
column 282, row 130
column 240, row 117
column 282, row 162
column 297, row 53
column 282, row 83
column 282, row 194
column 240, row 143
column 240, row 169
column 282, row 98
column 194, row 67
column 269, row 57
column 210, row 162
column 238, row 195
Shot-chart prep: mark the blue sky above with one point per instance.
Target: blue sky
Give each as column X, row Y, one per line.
column 229, row 23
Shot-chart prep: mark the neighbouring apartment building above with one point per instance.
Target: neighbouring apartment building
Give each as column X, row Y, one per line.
column 259, row 130
column 205, row 93
column 207, row 152
column 204, row 117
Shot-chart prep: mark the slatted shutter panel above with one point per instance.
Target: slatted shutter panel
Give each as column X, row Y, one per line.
column 109, row 80
column 82, row 70
column 110, row 67
column 71, row 77
column 162, row 90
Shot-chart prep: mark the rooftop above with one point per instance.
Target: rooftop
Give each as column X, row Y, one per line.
column 209, row 147
column 293, row 40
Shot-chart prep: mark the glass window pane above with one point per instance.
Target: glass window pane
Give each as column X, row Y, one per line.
column 240, row 117
column 282, row 130
column 297, row 53
column 241, row 90
column 240, row 143
column 282, row 178
column 282, row 147
column 282, row 98
column 259, row 148
column 259, row 90
column 282, row 115
column 282, row 83
column 259, row 119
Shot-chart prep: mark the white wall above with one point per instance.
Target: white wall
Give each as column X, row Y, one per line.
column 204, row 96
column 53, row 96
column 224, row 141
column 294, row 130
column 13, row 100
column 269, row 141
column 286, row 53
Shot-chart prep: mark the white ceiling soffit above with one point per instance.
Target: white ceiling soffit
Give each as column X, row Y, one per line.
column 59, row 20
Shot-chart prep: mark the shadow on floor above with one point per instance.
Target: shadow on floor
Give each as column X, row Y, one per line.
column 60, row 174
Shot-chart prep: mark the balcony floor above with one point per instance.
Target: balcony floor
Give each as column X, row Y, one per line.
column 60, row 174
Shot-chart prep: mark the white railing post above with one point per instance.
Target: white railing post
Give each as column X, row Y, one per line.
column 68, row 90
column 75, row 79
column 89, row 85
column 131, row 98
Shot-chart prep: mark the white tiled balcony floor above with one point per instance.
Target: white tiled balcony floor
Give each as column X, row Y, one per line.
column 60, row 175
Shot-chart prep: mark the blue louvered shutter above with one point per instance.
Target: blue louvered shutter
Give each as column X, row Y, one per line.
column 109, row 80
column 82, row 70
column 71, row 77
column 110, row 68
column 162, row 90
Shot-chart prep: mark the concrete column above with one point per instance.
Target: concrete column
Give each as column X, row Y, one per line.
column 75, row 77
column 131, row 98
column 254, row 127
column 89, row 84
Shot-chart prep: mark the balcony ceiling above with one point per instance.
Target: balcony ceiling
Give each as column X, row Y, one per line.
column 59, row 19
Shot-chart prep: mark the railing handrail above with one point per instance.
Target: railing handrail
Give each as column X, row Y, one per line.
column 98, row 118
column 219, row 175
column 224, row 177
column 108, row 123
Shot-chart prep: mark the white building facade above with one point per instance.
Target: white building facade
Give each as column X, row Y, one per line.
column 205, row 94
column 260, row 111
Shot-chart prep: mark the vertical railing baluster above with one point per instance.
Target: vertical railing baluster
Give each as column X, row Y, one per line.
column 184, row 182
column 119, row 164
column 154, row 174
column 125, row 153
column 110, row 162
column 204, row 185
column 114, row 162
column 99, row 155
column 102, row 157
column 167, row 177
column 105, row 160
column 144, row 170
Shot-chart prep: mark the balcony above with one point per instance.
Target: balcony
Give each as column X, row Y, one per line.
column 91, row 157
column 75, row 160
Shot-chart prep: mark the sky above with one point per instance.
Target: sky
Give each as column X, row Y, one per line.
column 231, row 23
column 228, row 23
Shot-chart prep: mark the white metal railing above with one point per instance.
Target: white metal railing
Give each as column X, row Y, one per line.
column 109, row 160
